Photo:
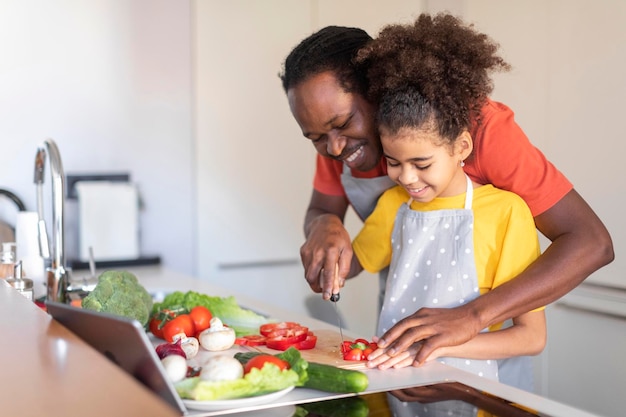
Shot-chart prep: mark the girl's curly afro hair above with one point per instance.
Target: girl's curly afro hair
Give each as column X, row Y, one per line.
column 437, row 68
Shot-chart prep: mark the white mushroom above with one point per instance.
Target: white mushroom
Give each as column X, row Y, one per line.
column 221, row 368
column 175, row 367
column 190, row 345
column 217, row 336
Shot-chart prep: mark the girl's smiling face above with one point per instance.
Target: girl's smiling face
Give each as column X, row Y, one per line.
column 424, row 163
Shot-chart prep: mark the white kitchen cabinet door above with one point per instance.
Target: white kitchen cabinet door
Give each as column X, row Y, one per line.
column 585, row 360
column 253, row 166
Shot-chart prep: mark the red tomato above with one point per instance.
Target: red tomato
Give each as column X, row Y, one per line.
column 158, row 321
column 201, row 317
column 250, row 340
column 353, row 355
column 155, row 329
column 260, row 361
column 180, row 324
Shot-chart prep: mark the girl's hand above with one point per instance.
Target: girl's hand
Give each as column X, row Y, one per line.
column 430, row 329
column 381, row 360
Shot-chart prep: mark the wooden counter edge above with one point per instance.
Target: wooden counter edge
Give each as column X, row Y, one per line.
column 47, row 370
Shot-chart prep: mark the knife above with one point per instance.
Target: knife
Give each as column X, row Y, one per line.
column 334, row 298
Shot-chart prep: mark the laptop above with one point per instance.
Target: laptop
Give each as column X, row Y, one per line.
column 124, row 341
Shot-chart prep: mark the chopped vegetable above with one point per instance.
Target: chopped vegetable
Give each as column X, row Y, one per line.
column 282, row 336
column 250, row 340
column 357, row 350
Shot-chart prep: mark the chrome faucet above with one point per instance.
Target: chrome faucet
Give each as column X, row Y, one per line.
column 57, row 274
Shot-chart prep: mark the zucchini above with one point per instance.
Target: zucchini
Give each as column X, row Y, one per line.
column 322, row 377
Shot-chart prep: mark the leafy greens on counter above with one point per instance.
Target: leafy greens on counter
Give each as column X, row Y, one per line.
column 242, row 320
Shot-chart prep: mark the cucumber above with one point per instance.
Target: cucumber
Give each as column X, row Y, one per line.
column 322, row 377
column 332, row 379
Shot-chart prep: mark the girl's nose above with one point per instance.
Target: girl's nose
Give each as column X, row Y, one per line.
column 335, row 144
column 408, row 177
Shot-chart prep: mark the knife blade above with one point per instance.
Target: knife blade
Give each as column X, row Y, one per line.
column 334, row 298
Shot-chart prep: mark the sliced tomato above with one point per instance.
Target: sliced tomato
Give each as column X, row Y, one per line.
column 251, row 340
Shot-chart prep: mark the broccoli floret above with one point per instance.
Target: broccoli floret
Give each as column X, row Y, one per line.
column 119, row 292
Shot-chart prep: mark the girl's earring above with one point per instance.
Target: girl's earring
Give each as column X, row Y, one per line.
column 462, row 163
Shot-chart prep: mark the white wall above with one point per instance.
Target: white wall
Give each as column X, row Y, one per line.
column 255, row 168
column 110, row 82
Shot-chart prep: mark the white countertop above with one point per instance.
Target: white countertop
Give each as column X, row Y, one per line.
column 161, row 281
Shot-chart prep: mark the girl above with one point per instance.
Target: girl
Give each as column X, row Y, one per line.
column 446, row 238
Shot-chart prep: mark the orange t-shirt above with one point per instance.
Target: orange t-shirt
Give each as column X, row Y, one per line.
column 502, row 156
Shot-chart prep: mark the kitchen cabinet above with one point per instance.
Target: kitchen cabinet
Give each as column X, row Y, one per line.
column 584, row 359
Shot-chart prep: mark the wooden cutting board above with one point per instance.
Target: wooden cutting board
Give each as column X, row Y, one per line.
column 327, row 350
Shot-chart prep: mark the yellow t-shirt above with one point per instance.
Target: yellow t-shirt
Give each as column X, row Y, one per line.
column 505, row 235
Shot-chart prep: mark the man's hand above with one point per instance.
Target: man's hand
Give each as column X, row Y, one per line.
column 433, row 327
column 327, row 245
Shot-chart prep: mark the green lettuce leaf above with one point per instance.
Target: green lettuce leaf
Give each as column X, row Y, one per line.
column 242, row 320
column 296, row 364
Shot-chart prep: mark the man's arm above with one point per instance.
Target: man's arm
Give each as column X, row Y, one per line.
column 327, row 243
column 580, row 245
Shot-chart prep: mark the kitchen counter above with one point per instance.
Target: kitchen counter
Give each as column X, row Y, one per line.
column 48, row 371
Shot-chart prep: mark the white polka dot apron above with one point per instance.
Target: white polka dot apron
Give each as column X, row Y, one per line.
column 433, row 266
column 363, row 194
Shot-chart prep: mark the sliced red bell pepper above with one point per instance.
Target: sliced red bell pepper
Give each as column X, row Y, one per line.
column 357, row 350
column 251, row 340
